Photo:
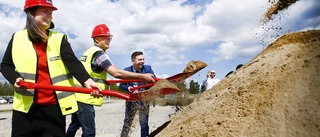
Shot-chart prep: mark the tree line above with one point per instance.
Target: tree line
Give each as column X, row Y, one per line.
column 6, row 89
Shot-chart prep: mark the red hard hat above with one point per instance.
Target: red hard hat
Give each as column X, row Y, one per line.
column 100, row 30
column 34, row 3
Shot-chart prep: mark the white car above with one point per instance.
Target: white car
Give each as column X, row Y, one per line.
column 3, row 101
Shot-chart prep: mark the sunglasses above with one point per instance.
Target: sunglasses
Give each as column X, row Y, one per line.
column 109, row 37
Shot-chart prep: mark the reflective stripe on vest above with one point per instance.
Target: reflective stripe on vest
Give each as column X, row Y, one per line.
column 99, row 78
column 25, row 60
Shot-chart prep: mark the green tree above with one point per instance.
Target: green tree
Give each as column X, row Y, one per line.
column 182, row 86
column 194, row 87
column 6, row 89
column 203, row 88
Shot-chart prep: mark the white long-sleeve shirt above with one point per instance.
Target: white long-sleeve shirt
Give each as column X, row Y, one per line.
column 210, row 82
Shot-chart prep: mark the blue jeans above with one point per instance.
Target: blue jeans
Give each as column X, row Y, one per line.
column 85, row 118
column 131, row 110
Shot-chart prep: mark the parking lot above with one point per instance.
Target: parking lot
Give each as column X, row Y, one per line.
column 6, row 99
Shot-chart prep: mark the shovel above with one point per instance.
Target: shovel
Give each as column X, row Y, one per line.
column 114, row 93
column 175, row 78
column 128, row 97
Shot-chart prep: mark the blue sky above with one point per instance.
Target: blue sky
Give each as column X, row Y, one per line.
column 221, row 33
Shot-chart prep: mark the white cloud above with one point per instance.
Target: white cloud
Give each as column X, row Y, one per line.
column 166, row 30
column 225, row 51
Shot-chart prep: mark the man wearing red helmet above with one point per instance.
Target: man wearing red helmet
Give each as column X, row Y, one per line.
column 97, row 64
column 40, row 55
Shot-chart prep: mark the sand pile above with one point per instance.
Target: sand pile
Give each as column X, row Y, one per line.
column 275, row 94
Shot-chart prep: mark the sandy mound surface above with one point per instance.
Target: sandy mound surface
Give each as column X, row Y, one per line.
column 275, row 94
column 277, row 7
column 159, row 89
column 195, row 65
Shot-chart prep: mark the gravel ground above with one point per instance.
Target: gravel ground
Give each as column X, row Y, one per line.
column 109, row 119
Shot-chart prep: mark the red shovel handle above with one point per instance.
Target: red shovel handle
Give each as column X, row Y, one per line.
column 114, row 81
column 142, row 86
column 114, row 93
column 30, row 85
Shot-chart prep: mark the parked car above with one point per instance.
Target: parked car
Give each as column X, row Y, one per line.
column 3, row 101
column 10, row 99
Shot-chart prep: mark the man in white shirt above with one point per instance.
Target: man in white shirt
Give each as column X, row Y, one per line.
column 211, row 79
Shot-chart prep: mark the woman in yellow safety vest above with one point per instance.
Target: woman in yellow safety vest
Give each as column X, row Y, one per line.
column 40, row 55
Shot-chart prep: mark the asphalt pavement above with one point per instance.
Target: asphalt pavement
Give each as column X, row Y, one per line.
column 5, row 107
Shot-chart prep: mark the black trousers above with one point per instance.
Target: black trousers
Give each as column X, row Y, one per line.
column 40, row 121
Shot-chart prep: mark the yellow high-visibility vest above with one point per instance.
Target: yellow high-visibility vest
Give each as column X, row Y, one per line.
column 25, row 60
column 99, row 78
